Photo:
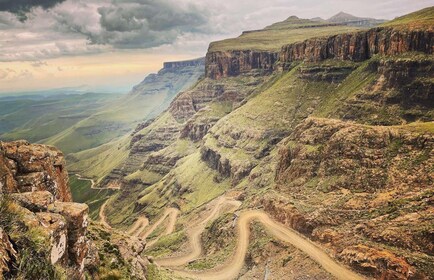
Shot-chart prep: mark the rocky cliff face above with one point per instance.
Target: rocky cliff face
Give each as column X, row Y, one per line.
column 35, row 192
column 29, row 168
column 360, row 177
column 358, row 46
column 182, row 64
column 233, row 63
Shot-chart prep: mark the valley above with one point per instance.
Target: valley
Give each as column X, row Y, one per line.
column 303, row 150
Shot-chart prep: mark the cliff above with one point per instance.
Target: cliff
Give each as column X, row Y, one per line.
column 322, row 157
column 234, row 63
column 40, row 227
column 186, row 63
column 358, row 46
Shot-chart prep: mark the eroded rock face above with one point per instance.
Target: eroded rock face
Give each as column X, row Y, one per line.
column 357, row 188
column 34, row 178
column 354, row 157
column 55, row 226
column 33, row 168
column 383, row 264
column 233, row 63
column 8, row 255
column 358, row 46
column 76, row 217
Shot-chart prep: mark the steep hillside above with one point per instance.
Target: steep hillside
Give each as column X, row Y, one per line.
column 145, row 101
column 325, row 142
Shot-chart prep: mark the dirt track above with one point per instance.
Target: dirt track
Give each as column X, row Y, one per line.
column 102, row 215
column 194, row 235
column 92, row 182
column 231, row 269
column 171, row 214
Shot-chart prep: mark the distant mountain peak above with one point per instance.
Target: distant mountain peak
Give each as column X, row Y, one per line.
column 343, row 16
column 349, row 19
column 293, row 18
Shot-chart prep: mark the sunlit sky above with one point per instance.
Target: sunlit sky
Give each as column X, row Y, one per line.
column 111, row 45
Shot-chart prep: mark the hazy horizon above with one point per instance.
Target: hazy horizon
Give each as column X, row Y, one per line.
column 108, row 44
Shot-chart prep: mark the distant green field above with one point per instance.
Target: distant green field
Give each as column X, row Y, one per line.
column 83, row 193
column 36, row 118
column 273, row 37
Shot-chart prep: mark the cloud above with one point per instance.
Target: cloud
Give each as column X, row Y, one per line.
column 38, row 64
column 56, row 28
column 21, row 7
column 147, row 23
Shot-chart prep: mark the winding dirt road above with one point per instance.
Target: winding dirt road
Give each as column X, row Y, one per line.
column 138, row 227
column 231, row 269
column 92, row 182
column 194, row 234
column 171, row 214
column 102, row 215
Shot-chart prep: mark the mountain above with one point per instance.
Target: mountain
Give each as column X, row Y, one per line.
column 114, row 120
column 304, row 151
column 319, row 129
column 347, row 19
column 77, row 122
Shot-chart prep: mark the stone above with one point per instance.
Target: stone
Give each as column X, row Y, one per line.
column 383, row 264
column 8, row 254
column 34, row 201
column 26, row 167
column 55, row 227
column 76, row 216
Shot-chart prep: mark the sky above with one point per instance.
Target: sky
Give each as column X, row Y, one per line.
column 111, row 45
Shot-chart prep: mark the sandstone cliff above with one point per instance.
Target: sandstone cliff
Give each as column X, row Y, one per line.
column 359, row 46
column 234, row 63
column 38, row 216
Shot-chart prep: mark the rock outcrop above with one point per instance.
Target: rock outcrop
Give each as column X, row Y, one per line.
column 221, row 64
column 358, row 46
column 367, row 183
column 27, row 168
column 185, row 63
column 8, row 254
column 35, row 181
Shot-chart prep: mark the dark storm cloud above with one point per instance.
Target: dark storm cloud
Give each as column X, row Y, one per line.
column 22, row 7
column 147, row 23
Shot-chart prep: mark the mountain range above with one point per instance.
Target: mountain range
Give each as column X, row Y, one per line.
column 303, row 150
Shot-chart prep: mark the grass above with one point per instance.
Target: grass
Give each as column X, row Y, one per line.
column 36, row 118
column 189, row 185
column 168, row 244
column 31, row 243
column 83, row 193
column 272, row 38
column 144, row 176
column 98, row 162
column 420, row 19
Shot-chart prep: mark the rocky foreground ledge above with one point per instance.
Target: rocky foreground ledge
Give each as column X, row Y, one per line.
column 41, row 229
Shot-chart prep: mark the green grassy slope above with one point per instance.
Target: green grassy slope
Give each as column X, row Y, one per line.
column 118, row 118
column 96, row 163
column 420, row 19
column 83, row 193
column 273, row 37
